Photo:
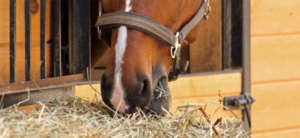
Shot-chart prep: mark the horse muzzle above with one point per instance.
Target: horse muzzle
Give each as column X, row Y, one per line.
column 126, row 97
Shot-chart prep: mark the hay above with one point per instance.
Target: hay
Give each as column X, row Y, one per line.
column 77, row 117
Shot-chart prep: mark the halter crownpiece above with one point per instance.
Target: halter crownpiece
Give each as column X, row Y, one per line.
column 140, row 22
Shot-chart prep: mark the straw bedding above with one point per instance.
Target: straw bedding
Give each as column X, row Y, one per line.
column 78, row 117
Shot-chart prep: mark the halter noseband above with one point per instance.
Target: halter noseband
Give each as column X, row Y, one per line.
column 140, row 22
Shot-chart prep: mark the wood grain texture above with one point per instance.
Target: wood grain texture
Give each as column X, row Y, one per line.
column 289, row 133
column 275, row 58
column 20, row 63
column 86, row 91
column 276, row 107
column 208, row 85
column 206, row 52
column 20, row 23
column 272, row 17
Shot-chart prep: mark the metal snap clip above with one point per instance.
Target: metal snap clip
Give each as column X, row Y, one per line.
column 175, row 48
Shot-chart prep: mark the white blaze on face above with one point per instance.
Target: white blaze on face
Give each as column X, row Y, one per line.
column 117, row 99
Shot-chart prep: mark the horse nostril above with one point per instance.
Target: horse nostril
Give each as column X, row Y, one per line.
column 144, row 89
column 145, row 93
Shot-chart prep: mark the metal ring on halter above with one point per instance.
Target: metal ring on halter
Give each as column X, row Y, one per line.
column 175, row 48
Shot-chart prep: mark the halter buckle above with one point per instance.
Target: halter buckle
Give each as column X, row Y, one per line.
column 174, row 49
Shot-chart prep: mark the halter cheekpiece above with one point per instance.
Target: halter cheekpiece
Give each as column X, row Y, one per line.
column 141, row 22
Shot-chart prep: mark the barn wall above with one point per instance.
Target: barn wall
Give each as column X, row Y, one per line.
column 275, row 61
column 201, row 89
column 206, row 51
column 20, row 40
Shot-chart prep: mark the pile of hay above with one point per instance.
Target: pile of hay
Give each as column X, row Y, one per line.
column 77, row 117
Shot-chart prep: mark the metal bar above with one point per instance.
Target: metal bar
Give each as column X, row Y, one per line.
column 46, row 83
column 57, row 39
column 28, row 39
column 226, row 34
column 12, row 41
column 79, row 37
column 43, row 39
column 246, row 74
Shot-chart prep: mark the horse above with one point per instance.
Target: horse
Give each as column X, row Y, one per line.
column 141, row 63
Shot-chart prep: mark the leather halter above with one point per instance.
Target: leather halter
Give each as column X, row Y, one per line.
column 140, row 22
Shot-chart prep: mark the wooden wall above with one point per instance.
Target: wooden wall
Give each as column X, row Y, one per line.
column 204, row 88
column 275, row 61
column 206, row 52
column 20, row 34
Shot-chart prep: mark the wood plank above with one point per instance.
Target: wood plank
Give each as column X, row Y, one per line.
column 207, row 85
column 36, row 95
column 86, row 91
column 27, row 107
column 20, row 22
column 290, row 133
column 275, row 58
column 206, row 52
column 277, row 106
column 211, row 108
column 272, row 17
column 20, row 63
column 45, row 84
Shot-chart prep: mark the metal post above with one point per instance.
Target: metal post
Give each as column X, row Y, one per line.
column 246, row 74
column 79, row 37
column 43, row 39
column 28, row 39
column 57, row 39
column 12, row 41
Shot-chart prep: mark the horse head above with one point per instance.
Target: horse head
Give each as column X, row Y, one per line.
column 140, row 63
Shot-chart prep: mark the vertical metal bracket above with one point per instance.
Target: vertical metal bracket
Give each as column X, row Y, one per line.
column 79, row 37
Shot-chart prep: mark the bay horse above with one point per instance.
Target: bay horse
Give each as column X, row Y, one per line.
column 142, row 59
